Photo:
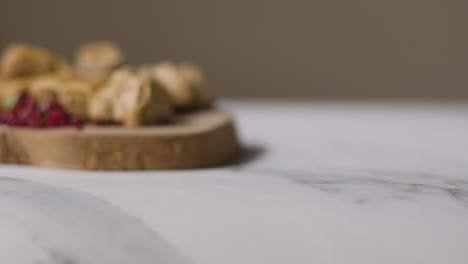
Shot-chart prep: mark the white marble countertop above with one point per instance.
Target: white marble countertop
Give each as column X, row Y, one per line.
column 323, row 183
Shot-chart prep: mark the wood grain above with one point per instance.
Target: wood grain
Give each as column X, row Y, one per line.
column 201, row 139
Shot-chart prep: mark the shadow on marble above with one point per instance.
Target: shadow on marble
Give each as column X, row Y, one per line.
column 248, row 154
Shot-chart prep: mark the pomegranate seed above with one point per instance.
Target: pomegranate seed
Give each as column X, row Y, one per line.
column 35, row 114
column 17, row 122
column 56, row 114
column 51, row 123
column 22, row 115
column 48, row 113
column 19, row 104
column 30, row 103
column 34, row 123
column 62, row 122
column 74, row 121
column 23, row 96
column 3, row 116
column 7, row 117
column 48, row 102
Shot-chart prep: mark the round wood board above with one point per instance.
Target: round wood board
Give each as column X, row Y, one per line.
column 201, row 139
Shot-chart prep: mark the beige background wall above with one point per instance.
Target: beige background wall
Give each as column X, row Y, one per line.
column 344, row 48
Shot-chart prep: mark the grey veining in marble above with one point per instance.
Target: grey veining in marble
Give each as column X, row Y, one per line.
column 366, row 186
column 50, row 225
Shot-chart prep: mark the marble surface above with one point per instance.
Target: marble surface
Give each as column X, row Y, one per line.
column 320, row 183
column 43, row 224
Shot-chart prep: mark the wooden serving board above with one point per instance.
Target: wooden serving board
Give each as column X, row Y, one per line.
column 194, row 140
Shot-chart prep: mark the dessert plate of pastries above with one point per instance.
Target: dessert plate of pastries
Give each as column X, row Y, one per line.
column 99, row 113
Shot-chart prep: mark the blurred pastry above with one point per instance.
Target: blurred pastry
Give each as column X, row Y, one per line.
column 73, row 94
column 130, row 97
column 97, row 59
column 99, row 89
column 193, row 76
column 21, row 60
column 184, row 83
